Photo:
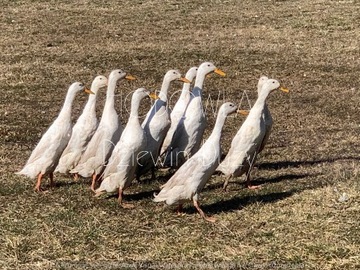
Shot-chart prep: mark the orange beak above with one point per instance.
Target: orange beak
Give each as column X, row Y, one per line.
column 284, row 89
column 183, row 79
column 130, row 78
column 88, row 91
column 220, row 72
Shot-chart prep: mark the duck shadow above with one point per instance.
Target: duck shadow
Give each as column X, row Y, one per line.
column 237, row 203
column 141, row 195
column 62, row 183
column 260, row 180
column 134, row 196
column 160, row 178
column 296, row 164
column 280, row 178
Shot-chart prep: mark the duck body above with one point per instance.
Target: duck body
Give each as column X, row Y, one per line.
column 82, row 131
column 188, row 135
column 247, row 142
column 266, row 116
column 120, row 170
column 45, row 157
column 47, row 152
column 108, row 133
column 156, row 126
column 189, row 132
column 179, row 109
column 191, row 177
column 244, row 145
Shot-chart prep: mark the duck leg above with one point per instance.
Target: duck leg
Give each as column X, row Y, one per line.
column 201, row 212
column 153, row 176
column 51, row 179
column 179, row 209
column 120, row 200
column 137, row 179
column 76, row 176
column 226, row 183
column 248, row 182
column 93, row 182
column 38, row 182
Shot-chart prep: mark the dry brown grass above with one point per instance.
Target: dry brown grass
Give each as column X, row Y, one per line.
column 298, row 220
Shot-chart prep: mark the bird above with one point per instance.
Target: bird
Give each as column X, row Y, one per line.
column 156, row 124
column 266, row 115
column 120, row 170
column 249, row 138
column 45, row 157
column 191, row 177
column 106, row 136
column 179, row 108
column 189, row 132
column 82, row 131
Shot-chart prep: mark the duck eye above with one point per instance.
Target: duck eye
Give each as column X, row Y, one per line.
column 81, row 84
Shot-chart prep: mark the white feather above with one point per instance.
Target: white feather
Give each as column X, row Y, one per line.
column 189, row 132
column 120, row 170
column 247, row 141
column 192, row 176
column 46, row 155
column 106, row 136
column 82, row 131
column 156, row 125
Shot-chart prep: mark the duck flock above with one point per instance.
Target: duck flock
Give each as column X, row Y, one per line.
column 113, row 156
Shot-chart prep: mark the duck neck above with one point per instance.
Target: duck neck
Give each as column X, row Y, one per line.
column 220, row 121
column 110, row 96
column 90, row 104
column 259, row 104
column 185, row 91
column 134, row 111
column 66, row 109
column 198, row 85
column 164, row 90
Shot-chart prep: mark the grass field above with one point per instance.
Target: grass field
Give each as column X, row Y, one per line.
column 307, row 214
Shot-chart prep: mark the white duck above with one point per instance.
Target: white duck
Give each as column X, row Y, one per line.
column 156, row 125
column 179, row 108
column 189, row 132
column 82, row 131
column 120, row 170
column 189, row 180
column 106, row 136
column 266, row 115
column 45, row 157
column 247, row 141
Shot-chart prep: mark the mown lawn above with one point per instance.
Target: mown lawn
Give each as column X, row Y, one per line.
column 306, row 216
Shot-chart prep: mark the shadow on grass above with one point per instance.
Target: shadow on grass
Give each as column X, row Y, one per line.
column 141, row 195
column 128, row 196
column 237, row 203
column 68, row 183
column 280, row 178
column 161, row 177
column 296, row 164
column 259, row 181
